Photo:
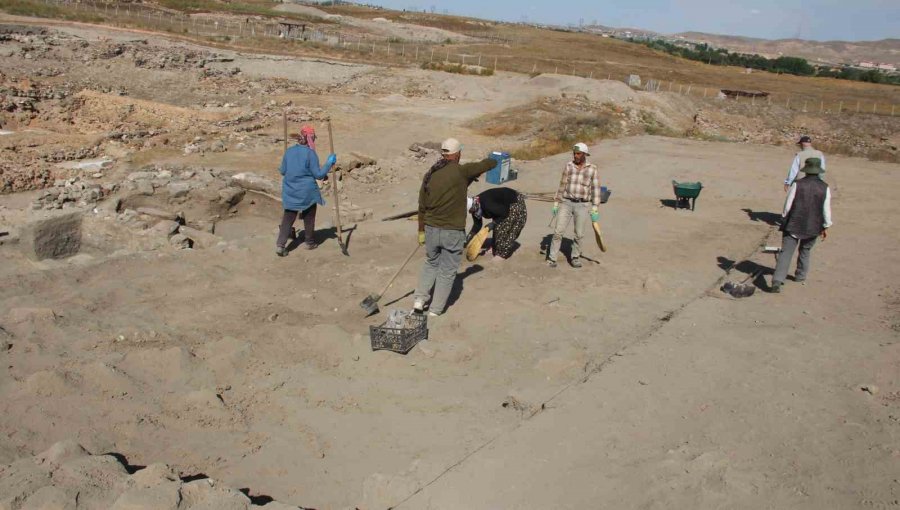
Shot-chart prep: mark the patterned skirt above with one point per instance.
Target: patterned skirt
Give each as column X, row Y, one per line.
column 507, row 231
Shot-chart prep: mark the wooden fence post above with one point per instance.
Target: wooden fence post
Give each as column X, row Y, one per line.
column 841, row 107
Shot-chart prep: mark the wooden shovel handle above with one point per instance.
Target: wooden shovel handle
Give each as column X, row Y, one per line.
column 334, row 185
column 391, row 281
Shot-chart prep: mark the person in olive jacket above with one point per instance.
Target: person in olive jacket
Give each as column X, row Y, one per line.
column 442, row 223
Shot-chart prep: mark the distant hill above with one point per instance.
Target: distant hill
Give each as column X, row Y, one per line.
column 885, row 50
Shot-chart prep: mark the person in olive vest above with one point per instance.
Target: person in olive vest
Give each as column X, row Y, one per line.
column 807, row 215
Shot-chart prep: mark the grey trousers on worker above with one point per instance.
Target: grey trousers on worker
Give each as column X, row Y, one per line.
column 443, row 252
column 788, row 246
column 568, row 210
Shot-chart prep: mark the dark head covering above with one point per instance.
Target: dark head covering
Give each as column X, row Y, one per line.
column 813, row 166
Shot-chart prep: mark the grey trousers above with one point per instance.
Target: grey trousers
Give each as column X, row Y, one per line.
column 568, row 210
column 443, row 252
column 788, row 246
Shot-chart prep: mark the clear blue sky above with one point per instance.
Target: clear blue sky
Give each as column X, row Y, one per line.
column 823, row 20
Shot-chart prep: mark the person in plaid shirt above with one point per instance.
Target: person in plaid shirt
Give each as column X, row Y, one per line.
column 578, row 197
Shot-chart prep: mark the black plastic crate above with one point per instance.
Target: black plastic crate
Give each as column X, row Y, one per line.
column 400, row 340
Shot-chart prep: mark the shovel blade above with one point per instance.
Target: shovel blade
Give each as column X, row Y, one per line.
column 370, row 304
column 742, row 290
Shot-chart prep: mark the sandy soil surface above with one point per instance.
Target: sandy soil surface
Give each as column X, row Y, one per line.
column 632, row 381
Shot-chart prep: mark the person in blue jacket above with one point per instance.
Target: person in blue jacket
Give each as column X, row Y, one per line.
column 299, row 191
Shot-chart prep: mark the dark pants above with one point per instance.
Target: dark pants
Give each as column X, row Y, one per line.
column 287, row 224
column 506, row 231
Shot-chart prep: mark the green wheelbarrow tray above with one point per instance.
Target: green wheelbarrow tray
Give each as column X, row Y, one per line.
column 686, row 191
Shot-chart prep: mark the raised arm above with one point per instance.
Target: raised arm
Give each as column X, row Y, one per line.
column 473, row 170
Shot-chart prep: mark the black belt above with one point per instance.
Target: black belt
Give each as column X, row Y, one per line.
column 577, row 201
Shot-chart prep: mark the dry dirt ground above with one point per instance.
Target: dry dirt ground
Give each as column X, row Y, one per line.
column 630, row 383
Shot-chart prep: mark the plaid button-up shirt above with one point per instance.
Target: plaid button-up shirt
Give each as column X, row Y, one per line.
column 580, row 184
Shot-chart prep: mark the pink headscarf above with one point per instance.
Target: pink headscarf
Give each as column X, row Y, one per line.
column 307, row 137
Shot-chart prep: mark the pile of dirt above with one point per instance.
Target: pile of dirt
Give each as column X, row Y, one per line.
column 552, row 125
column 872, row 136
column 68, row 476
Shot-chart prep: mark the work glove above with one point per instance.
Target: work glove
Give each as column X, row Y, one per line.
column 332, row 159
column 555, row 208
column 421, row 237
column 595, row 214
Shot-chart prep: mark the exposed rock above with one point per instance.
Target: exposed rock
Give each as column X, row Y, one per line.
column 54, row 237
column 181, row 241
column 201, row 239
column 231, row 196
column 207, row 494
column 166, row 228
column 251, row 181
column 179, row 189
column 161, row 213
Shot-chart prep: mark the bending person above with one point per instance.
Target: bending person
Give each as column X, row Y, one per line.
column 506, row 207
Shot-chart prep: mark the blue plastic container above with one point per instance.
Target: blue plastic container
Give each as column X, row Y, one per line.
column 501, row 171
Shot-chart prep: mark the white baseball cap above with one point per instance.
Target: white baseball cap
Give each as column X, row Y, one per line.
column 451, row 146
column 581, row 147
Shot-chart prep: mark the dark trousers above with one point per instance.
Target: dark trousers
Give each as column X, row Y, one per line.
column 287, row 224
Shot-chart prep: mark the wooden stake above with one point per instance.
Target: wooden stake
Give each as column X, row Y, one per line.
column 284, row 122
column 336, row 178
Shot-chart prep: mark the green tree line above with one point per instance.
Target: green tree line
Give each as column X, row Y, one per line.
column 788, row 65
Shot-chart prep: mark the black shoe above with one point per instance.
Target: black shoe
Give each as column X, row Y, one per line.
column 576, row 262
column 776, row 288
column 280, row 251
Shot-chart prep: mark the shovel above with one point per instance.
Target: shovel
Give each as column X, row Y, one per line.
column 370, row 304
column 742, row 289
column 337, row 200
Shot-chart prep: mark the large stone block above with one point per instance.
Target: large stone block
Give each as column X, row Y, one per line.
column 54, row 237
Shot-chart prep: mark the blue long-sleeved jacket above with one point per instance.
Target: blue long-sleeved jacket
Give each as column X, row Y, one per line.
column 300, row 168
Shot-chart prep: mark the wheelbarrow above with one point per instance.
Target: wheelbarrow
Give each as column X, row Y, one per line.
column 686, row 194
